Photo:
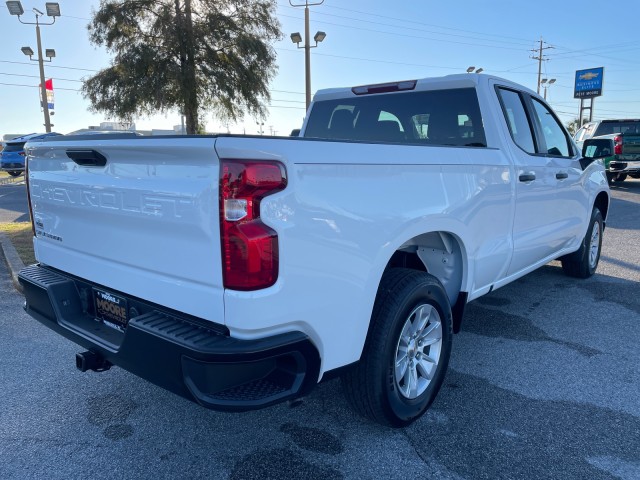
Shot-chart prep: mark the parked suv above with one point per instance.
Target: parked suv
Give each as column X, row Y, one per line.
column 12, row 156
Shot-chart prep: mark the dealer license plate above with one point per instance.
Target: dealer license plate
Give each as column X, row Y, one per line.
column 111, row 309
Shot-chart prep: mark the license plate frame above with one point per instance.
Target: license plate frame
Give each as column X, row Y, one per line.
column 111, row 309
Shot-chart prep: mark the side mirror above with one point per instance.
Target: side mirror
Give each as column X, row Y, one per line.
column 594, row 149
column 597, row 148
column 295, row 132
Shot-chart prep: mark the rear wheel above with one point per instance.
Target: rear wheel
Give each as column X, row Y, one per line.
column 14, row 173
column 407, row 350
column 584, row 262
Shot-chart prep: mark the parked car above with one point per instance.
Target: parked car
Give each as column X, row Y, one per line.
column 12, row 156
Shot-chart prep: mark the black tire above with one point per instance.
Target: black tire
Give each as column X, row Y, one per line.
column 610, row 177
column 584, row 262
column 621, row 177
column 14, row 173
column 371, row 387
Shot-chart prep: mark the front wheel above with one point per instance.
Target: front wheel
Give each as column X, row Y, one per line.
column 14, row 173
column 583, row 263
column 407, row 350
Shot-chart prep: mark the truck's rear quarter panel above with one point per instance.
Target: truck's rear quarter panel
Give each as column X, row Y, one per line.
column 347, row 208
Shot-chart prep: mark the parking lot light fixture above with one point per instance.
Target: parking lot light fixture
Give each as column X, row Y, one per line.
column 470, row 69
column 27, row 51
column 15, row 8
column 546, row 83
column 296, row 37
column 50, row 53
column 319, row 37
column 53, row 9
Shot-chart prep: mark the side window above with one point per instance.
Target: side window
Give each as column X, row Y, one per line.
column 554, row 135
column 579, row 134
column 516, row 117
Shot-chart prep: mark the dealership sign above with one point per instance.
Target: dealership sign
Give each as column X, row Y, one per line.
column 588, row 83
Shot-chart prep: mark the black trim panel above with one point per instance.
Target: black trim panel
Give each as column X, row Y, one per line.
column 174, row 352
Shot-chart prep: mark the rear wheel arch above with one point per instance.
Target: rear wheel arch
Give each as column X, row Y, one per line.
column 440, row 253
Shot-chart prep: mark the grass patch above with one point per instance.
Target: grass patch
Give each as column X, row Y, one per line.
column 21, row 236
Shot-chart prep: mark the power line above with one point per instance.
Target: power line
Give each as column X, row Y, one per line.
column 38, row 77
column 76, row 90
column 48, row 66
column 359, row 12
column 375, row 60
column 417, row 29
column 35, row 86
column 351, row 27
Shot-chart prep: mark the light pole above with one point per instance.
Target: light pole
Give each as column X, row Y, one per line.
column 545, row 83
column 53, row 10
column 297, row 38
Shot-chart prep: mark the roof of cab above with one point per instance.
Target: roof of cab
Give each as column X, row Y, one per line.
column 31, row 136
column 460, row 80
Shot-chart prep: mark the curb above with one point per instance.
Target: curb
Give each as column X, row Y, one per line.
column 12, row 180
column 13, row 260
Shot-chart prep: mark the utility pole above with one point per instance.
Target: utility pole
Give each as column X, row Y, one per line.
column 296, row 38
column 540, row 58
column 53, row 10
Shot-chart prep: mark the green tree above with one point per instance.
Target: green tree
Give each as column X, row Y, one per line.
column 573, row 126
column 191, row 55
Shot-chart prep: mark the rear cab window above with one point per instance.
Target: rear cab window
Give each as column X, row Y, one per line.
column 14, row 147
column 631, row 127
column 437, row 117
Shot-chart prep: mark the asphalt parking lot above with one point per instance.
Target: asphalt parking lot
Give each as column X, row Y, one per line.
column 544, row 382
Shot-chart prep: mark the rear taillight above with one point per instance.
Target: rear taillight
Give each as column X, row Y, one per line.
column 617, row 148
column 21, row 153
column 249, row 247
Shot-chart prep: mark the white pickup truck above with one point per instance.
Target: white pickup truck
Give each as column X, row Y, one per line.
column 240, row 271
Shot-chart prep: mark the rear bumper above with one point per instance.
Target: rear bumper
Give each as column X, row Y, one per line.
column 188, row 356
column 617, row 166
column 12, row 167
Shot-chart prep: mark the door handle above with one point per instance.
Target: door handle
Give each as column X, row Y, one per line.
column 562, row 175
column 527, row 177
column 87, row 158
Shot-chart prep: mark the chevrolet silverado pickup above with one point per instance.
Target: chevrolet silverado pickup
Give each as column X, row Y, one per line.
column 623, row 157
column 240, row 271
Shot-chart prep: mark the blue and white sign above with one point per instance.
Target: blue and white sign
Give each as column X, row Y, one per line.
column 589, row 83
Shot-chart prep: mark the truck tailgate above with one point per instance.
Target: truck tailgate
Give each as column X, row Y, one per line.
column 146, row 222
column 631, row 146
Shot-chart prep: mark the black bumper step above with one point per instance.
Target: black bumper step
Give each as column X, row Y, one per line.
column 178, row 353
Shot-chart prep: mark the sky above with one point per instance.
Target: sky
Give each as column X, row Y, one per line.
column 367, row 41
